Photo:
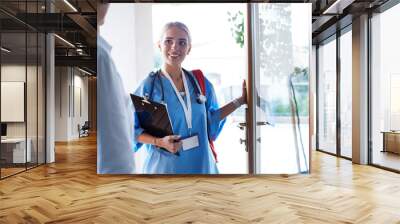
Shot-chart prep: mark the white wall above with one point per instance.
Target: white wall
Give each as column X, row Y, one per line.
column 127, row 28
column 61, row 103
column 67, row 114
column 33, row 125
column 17, row 73
column 80, row 110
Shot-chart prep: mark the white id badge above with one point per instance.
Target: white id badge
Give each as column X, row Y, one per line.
column 190, row 142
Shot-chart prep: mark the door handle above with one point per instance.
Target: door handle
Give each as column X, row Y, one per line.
column 245, row 143
column 260, row 123
column 242, row 125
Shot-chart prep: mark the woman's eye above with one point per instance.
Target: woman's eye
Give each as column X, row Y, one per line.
column 182, row 43
column 168, row 42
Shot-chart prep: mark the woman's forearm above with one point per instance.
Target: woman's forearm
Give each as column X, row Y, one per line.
column 230, row 107
column 170, row 143
column 147, row 139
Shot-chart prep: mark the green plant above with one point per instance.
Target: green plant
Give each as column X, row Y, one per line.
column 237, row 27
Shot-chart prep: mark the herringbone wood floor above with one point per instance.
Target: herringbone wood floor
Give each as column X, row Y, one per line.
column 70, row 191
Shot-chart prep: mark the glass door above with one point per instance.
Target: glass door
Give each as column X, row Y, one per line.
column 326, row 95
column 14, row 151
column 281, row 58
column 346, row 93
column 22, row 76
column 385, row 90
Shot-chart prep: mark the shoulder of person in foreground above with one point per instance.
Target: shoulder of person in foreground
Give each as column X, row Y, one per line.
column 146, row 84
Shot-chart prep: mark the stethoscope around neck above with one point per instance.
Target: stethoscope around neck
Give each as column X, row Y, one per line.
column 200, row 98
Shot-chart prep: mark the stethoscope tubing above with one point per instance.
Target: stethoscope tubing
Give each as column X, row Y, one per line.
column 200, row 97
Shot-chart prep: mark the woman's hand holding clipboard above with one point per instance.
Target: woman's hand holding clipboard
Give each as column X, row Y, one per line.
column 155, row 121
column 171, row 143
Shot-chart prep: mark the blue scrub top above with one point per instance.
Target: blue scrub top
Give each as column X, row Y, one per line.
column 206, row 123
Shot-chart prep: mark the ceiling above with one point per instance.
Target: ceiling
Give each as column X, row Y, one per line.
column 73, row 20
column 332, row 15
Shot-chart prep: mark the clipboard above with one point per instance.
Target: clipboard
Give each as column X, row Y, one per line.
column 153, row 116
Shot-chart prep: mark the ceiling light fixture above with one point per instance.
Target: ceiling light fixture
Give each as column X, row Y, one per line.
column 84, row 71
column 5, row 50
column 80, row 51
column 70, row 5
column 65, row 41
column 337, row 7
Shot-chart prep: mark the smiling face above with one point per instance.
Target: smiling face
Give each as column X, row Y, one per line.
column 174, row 46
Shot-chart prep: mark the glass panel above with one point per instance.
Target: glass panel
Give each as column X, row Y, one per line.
column 13, row 86
column 327, row 97
column 346, row 94
column 282, row 54
column 31, row 98
column 386, row 89
column 41, row 98
column 20, row 73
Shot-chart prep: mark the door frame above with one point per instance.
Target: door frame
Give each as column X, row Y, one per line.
column 254, row 158
column 250, row 111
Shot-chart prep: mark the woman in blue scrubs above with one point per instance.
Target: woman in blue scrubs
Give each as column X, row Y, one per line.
column 190, row 116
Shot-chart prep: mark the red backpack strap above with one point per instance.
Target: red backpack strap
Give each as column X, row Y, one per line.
column 198, row 74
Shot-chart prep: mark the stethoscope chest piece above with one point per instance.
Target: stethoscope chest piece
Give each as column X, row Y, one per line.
column 201, row 99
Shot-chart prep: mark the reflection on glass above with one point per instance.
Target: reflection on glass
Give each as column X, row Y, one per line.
column 31, row 101
column 22, row 92
column 346, row 94
column 282, row 83
column 327, row 97
column 41, row 99
column 385, row 89
column 13, row 85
